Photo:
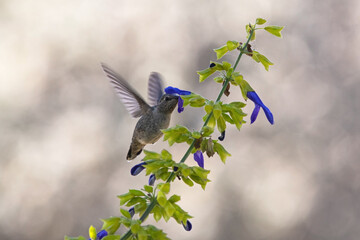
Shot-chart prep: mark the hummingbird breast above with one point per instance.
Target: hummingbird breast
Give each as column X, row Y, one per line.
column 147, row 129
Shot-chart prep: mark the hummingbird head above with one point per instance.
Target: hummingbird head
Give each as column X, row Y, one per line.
column 167, row 103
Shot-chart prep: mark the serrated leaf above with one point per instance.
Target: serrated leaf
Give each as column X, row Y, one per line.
column 221, row 51
column 260, row 21
column 275, row 30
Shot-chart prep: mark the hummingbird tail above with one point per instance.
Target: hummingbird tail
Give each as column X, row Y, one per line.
column 134, row 152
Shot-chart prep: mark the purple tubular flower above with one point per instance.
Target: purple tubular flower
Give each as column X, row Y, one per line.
column 132, row 211
column 152, row 179
column 199, row 158
column 188, row 225
column 173, row 90
column 100, row 235
column 176, row 91
column 135, row 170
column 258, row 103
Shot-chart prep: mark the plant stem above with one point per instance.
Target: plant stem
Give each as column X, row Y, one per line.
column 191, row 147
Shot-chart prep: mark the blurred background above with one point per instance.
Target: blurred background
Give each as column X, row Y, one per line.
column 64, row 134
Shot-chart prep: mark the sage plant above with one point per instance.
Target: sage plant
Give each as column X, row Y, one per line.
column 153, row 199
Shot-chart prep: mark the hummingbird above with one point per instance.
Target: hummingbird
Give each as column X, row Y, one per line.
column 153, row 117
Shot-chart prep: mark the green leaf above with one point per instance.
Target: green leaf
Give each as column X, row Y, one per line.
column 196, row 135
column 226, row 65
column 204, row 74
column 221, row 124
column 151, row 155
column 177, row 134
column 197, row 101
column 221, row 51
column 274, row 30
column 207, row 131
column 164, row 187
column 169, row 209
column 245, row 87
column 260, row 21
column 142, row 235
column 219, row 79
column 212, row 121
column 125, row 198
column 135, row 228
column 157, row 213
column 92, row 232
column 166, row 155
column 217, row 110
column 231, row 45
column 228, row 118
column 161, row 198
column 125, row 213
column 111, row 225
column 148, row 188
column 134, row 201
column 248, row 30
column 136, row 192
column 187, row 181
column 74, row 238
column 220, row 150
column 112, row 237
column 264, row 61
column 174, row 198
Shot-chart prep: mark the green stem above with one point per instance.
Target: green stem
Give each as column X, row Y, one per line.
column 191, row 147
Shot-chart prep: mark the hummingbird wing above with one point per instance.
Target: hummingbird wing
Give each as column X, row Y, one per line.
column 135, row 104
column 155, row 88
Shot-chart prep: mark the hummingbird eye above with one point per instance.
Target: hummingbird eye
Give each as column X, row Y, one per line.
column 167, row 98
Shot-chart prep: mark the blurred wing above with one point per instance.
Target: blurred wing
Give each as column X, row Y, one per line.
column 130, row 98
column 155, row 88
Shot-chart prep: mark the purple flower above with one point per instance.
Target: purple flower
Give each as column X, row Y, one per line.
column 100, row 235
column 132, row 211
column 188, row 225
column 152, row 179
column 135, row 170
column 176, row 91
column 199, row 158
column 222, row 137
column 258, row 103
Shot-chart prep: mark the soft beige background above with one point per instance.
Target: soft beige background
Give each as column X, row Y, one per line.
column 64, row 134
